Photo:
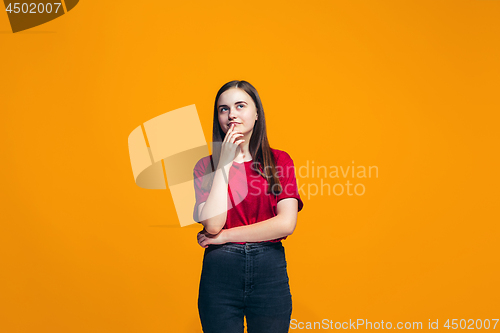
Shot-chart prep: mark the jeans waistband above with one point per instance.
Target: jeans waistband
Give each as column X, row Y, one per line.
column 247, row 247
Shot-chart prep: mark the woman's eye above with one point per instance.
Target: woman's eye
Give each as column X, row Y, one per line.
column 241, row 105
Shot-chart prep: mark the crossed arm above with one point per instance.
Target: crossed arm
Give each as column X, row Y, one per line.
column 283, row 224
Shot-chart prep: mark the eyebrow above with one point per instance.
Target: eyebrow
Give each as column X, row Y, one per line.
column 234, row 103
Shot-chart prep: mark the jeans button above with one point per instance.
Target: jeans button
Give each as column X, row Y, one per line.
column 247, row 247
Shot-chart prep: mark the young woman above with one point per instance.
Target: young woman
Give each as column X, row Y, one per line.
column 247, row 200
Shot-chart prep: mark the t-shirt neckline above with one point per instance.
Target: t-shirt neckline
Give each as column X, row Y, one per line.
column 243, row 162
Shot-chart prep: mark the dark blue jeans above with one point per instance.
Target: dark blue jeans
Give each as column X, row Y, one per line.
column 249, row 280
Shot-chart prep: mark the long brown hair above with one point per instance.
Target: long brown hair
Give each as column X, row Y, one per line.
column 259, row 148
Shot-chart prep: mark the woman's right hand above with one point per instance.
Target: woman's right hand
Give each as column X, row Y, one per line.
column 229, row 147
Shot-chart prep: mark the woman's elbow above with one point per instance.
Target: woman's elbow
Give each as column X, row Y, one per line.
column 211, row 226
column 290, row 226
column 214, row 230
column 214, row 224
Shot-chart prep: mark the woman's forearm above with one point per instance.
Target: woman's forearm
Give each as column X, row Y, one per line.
column 214, row 213
column 275, row 227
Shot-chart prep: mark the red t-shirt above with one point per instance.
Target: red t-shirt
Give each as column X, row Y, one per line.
column 248, row 200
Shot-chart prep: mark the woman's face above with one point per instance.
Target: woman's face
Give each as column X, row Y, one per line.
column 235, row 105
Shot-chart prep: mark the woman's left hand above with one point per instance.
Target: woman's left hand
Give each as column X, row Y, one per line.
column 205, row 239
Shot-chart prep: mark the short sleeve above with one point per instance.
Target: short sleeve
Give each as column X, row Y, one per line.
column 201, row 195
column 286, row 172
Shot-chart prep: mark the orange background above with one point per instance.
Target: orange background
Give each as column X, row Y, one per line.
column 408, row 86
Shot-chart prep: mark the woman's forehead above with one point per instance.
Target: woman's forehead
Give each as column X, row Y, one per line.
column 234, row 95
